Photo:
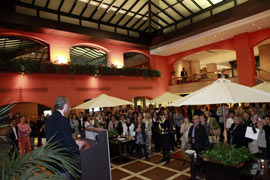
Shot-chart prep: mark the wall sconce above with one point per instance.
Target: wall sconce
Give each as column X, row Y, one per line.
column 61, row 60
column 117, row 65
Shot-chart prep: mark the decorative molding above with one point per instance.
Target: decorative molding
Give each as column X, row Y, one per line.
column 10, row 90
column 94, row 89
column 140, row 88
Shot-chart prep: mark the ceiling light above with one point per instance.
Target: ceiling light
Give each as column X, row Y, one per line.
column 259, row 27
column 253, row 24
column 215, row 36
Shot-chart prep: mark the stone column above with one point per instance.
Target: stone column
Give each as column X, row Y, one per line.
column 264, row 53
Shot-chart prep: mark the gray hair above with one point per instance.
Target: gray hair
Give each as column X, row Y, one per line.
column 60, row 102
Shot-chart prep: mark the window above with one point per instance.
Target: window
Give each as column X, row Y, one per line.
column 133, row 59
column 13, row 47
column 83, row 55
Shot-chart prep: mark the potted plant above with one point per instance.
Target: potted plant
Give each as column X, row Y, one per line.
column 226, row 162
column 38, row 164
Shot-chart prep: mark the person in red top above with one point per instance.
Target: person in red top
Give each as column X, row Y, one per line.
column 24, row 131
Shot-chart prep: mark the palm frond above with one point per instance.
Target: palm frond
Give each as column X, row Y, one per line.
column 41, row 163
column 4, row 110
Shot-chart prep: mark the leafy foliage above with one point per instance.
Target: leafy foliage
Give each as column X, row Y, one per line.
column 112, row 133
column 39, row 164
column 30, row 66
column 232, row 155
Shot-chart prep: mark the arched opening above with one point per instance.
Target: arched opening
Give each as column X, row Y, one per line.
column 86, row 55
column 135, row 59
column 18, row 47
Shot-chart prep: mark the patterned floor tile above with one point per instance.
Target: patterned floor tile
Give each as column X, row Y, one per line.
column 182, row 177
column 118, row 174
column 158, row 174
column 155, row 158
column 134, row 178
column 178, row 165
column 137, row 166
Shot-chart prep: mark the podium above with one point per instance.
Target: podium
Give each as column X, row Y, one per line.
column 95, row 161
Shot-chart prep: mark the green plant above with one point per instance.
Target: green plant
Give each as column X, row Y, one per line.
column 31, row 66
column 112, row 133
column 230, row 155
column 39, row 164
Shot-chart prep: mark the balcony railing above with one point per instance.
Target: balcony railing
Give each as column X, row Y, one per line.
column 209, row 76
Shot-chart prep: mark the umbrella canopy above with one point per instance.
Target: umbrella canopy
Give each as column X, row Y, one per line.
column 265, row 86
column 223, row 91
column 103, row 100
column 165, row 98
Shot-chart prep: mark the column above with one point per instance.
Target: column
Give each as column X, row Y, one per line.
column 264, row 53
column 211, row 69
column 245, row 60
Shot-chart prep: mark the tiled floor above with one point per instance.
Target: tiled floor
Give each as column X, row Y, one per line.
column 140, row 169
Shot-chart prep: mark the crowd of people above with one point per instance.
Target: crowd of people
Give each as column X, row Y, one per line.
column 24, row 130
column 164, row 129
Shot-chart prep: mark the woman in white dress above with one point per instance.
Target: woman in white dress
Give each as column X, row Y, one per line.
column 184, row 131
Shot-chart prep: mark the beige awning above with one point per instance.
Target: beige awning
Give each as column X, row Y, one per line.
column 265, row 86
column 103, row 100
column 223, row 91
column 165, row 98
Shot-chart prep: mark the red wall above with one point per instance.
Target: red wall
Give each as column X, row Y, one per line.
column 43, row 89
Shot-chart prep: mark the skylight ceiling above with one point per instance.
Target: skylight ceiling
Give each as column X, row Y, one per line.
column 128, row 17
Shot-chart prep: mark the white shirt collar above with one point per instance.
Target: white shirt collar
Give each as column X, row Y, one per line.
column 60, row 112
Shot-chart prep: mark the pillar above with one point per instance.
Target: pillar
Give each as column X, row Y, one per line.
column 245, row 60
column 264, row 53
column 211, row 69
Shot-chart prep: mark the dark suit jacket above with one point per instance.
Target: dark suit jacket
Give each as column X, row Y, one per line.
column 12, row 135
column 201, row 138
column 58, row 127
column 238, row 135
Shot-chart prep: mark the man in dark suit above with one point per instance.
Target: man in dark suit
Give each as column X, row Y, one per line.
column 184, row 75
column 197, row 135
column 57, row 129
column 41, row 128
column 14, row 136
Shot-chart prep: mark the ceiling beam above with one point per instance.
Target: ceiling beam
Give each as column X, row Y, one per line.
column 73, row 6
column 85, row 7
column 71, row 15
column 239, row 12
column 168, row 15
column 200, row 12
column 149, row 16
column 33, row 24
column 116, row 12
column 133, row 5
column 171, row 6
column 139, row 10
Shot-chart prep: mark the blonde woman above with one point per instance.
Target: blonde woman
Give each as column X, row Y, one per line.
column 184, row 131
column 148, row 130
